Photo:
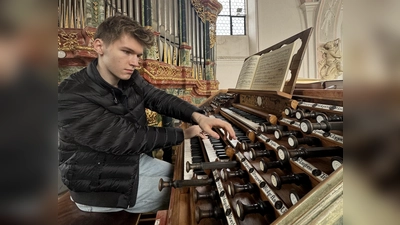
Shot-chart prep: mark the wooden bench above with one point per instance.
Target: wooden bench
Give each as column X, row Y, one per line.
column 69, row 214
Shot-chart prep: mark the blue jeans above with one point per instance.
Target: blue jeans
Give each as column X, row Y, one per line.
column 149, row 198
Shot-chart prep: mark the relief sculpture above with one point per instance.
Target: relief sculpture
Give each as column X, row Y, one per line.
column 330, row 67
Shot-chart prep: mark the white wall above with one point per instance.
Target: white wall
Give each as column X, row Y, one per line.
column 231, row 52
column 278, row 20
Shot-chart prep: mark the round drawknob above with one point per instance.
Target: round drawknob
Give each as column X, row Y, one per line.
column 278, row 134
column 306, row 126
column 264, row 166
column 276, row 180
column 292, row 141
column 200, row 214
column 289, row 111
column 321, row 117
column 294, row 196
column 336, row 162
column 162, row 184
column 299, row 114
column 283, row 153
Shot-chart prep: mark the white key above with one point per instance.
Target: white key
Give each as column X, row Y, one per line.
column 187, row 156
column 210, row 150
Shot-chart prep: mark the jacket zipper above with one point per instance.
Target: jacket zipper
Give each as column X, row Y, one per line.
column 115, row 97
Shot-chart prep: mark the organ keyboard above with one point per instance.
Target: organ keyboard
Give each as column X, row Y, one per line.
column 280, row 173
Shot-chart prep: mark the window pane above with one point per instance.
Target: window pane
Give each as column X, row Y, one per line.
column 237, row 8
column 225, row 7
column 223, row 25
column 238, row 26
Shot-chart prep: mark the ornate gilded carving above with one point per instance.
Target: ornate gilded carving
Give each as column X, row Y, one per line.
column 208, row 10
column 167, row 76
column 90, row 34
column 156, row 69
column 175, row 56
column 153, row 119
column 70, row 41
column 213, row 35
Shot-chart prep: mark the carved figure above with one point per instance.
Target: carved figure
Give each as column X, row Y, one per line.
column 331, row 63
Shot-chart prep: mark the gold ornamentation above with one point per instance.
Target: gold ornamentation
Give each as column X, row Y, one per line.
column 90, row 34
column 152, row 118
column 70, row 41
column 161, row 73
column 96, row 11
column 175, row 56
column 165, row 70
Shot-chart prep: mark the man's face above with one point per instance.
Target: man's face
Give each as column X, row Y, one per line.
column 121, row 57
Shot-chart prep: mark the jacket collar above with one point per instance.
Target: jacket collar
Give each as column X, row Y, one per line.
column 96, row 77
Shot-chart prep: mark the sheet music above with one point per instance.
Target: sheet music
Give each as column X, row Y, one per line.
column 272, row 69
column 247, row 72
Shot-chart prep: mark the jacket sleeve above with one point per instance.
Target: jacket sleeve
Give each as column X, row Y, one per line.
column 159, row 101
column 91, row 125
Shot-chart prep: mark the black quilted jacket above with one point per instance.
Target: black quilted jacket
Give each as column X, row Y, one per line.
column 103, row 130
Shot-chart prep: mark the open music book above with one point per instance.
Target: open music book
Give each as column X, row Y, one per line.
column 268, row 71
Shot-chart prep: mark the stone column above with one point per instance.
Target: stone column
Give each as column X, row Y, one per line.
column 310, row 10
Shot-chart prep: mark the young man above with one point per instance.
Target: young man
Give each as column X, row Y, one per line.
column 103, row 128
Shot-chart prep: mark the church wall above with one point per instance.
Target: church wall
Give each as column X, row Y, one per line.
column 231, row 52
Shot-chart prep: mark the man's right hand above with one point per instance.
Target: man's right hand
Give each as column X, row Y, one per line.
column 207, row 123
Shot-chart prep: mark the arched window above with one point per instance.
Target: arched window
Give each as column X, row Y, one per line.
column 232, row 19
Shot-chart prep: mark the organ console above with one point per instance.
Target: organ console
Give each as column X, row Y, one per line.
column 265, row 179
